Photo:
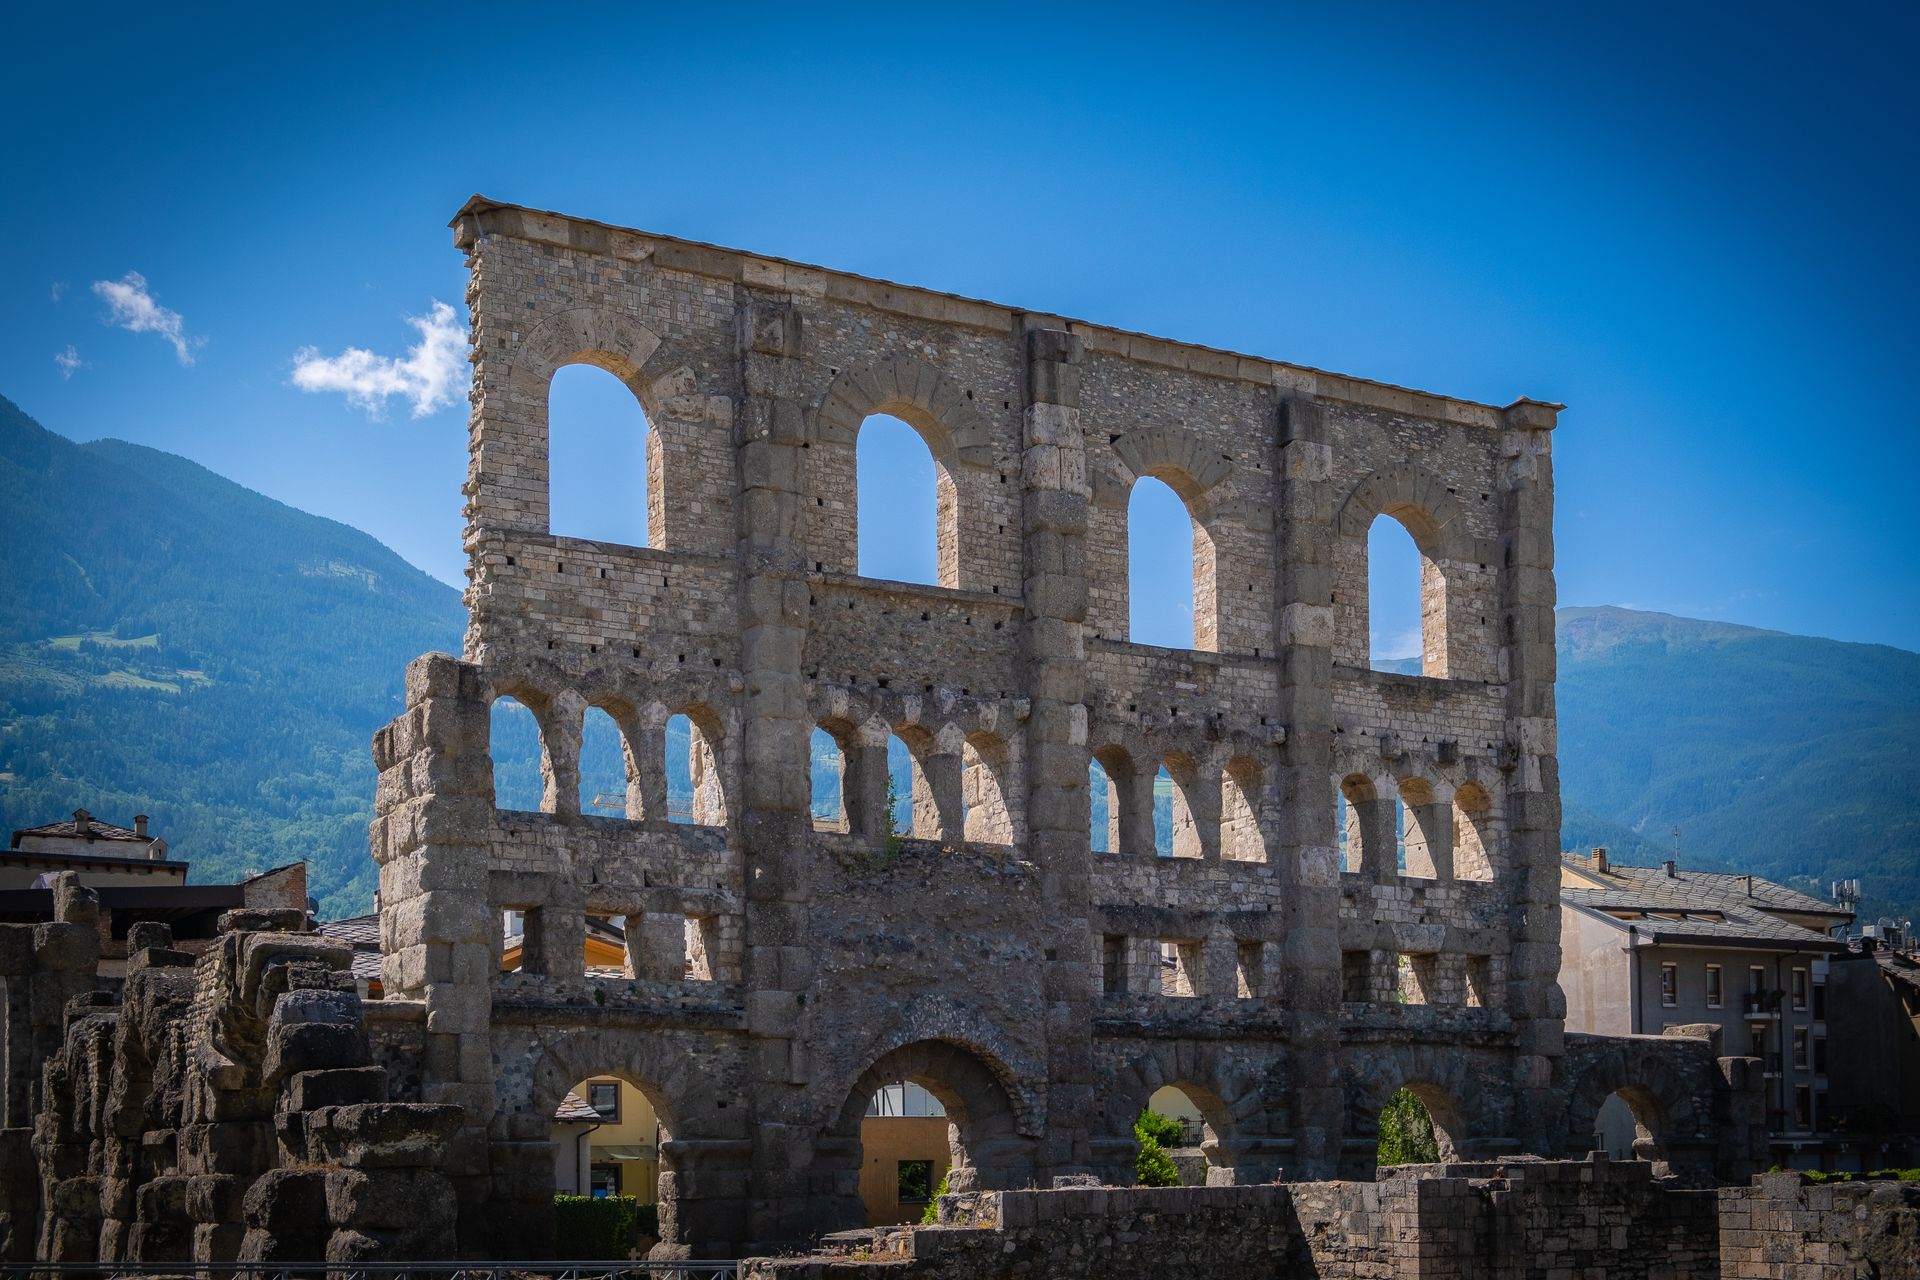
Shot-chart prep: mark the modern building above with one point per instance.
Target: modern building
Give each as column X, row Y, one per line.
column 136, row 881
column 1648, row 948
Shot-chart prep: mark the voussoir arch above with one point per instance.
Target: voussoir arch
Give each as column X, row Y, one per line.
column 918, row 394
column 1418, row 500
column 1188, row 467
column 588, row 335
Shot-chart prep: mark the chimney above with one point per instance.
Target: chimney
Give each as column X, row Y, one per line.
column 140, row 825
column 1600, row 858
column 83, row 824
column 1672, row 869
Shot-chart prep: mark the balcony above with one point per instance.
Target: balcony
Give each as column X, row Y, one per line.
column 1761, row 1006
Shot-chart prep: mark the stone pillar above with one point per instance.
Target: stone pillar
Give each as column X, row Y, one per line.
column 1430, row 840
column 1527, row 597
column 1303, row 843
column 1135, row 799
column 774, row 824
column 1379, row 841
column 432, row 820
column 1056, row 489
column 938, row 807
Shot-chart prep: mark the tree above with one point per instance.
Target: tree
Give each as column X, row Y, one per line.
column 1152, row 1166
column 1406, row 1132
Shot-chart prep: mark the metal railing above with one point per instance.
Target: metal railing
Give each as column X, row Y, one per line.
column 631, row 1270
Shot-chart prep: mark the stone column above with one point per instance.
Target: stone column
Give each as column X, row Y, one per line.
column 774, row 826
column 1527, row 597
column 1303, row 843
column 1136, row 811
column 432, row 818
column 1054, row 477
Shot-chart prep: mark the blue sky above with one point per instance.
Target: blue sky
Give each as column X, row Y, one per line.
column 1692, row 224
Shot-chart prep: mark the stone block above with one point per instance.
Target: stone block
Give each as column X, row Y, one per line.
column 343, row 1086
column 382, row 1135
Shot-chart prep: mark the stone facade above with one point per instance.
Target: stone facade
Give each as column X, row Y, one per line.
column 1287, row 971
column 993, row 957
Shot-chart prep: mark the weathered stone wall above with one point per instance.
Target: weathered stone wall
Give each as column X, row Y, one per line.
column 223, row 1108
column 1783, row 1229
column 1041, row 989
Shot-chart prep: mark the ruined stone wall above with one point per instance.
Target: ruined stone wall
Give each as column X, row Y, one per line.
column 778, row 972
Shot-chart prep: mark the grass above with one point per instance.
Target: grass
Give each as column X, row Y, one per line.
column 105, row 639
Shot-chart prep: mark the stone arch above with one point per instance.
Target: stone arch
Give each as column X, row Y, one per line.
column 989, row 789
column 1435, row 519
column 1198, row 477
column 1242, row 806
column 1662, row 1107
column 1476, row 841
column 709, row 763
column 550, row 744
column 1442, row 1078
column 1230, row 1096
column 1129, row 830
column 957, row 436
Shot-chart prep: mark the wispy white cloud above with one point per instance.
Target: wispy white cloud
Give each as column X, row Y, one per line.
column 59, row 290
column 68, row 360
column 429, row 378
column 1394, row 645
column 132, row 307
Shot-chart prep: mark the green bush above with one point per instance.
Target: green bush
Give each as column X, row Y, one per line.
column 1406, row 1132
column 1817, row 1177
column 931, row 1214
column 1152, row 1166
column 593, row 1228
column 646, row 1220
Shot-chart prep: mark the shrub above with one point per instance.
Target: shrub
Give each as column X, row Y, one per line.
column 1152, row 1166
column 932, row 1213
column 1406, row 1132
column 590, row 1228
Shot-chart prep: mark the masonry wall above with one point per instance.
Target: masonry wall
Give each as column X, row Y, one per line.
column 993, row 956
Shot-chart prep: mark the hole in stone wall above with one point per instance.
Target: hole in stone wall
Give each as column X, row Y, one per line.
column 608, row 1138
column 514, row 743
column 1250, row 969
column 906, row 521
column 1180, row 972
column 605, row 766
column 1176, row 831
column 603, row 464
column 1163, row 554
column 829, row 770
column 694, row 787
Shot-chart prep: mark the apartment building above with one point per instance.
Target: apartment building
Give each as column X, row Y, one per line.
column 1647, row 948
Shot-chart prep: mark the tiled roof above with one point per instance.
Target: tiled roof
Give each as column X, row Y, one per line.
column 93, row 830
column 1747, row 890
column 362, row 933
column 574, row 1111
column 1707, row 919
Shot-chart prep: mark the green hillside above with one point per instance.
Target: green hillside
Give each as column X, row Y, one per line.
column 1782, row 755
column 176, row 645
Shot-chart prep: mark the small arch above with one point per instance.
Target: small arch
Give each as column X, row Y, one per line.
column 985, row 767
column 517, row 745
column 696, row 791
column 1176, row 1142
column 1355, row 803
column 1425, row 832
column 986, row 1148
column 1474, row 838
column 1411, row 1130
column 1406, row 601
column 607, row 767
column 604, row 468
column 911, row 808
column 1176, row 827
column 907, row 511
column 1631, row 1125
column 905, row 1153
column 1435, row 521
column 607, row 1141
column 828, row 759
column 1107, row 773
column 1241, row 838
column 1170, row 570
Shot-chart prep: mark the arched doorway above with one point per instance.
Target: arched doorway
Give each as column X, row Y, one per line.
column 1629, row 1125
column 985, row 1146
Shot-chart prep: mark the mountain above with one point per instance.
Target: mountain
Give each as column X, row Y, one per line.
column 1782, row 755
column 176, row 645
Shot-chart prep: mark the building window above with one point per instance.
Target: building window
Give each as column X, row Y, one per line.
column 1756, row 990
column 1799, row 988
column 1800, row 1053
column 1713, row 986
column 1757, row 1040
column 605, row 1181
column 1669, row 985
column 1820, row 1055
column 1113, row 965
column 1820, row 1001
column 915, row 1181
column 1803, row 1107
column 604, row 1097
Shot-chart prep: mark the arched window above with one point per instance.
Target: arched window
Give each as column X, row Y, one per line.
column 605, row 767
column 907, row 519
column 1426, row 832
column 829, row 768
column 609, row 1137
column 1240, row 837
column 984, row 763
column 694, row 791
column 514, row 742
column 1103, row 803
column 1176, row 832
column 603, row 463
column 1473, row 838
column 1408, row 1134
column 910, row 805
column 1357, row 805
column 1629, row 1124
column 1170, row 571
column 1403, row 594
